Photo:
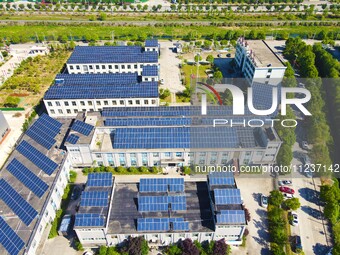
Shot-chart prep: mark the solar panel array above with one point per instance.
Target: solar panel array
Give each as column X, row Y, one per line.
column 161, row 203
column 72, row 138
column 227, row 196
column 221, row 178
column 82, row 127
column 44, row 130
column 148, row 122
column 151, row 43
column 138, row 90
column 161, row 185
column 9, row 239
column 161, row 224
column 18, row 205
column 150, row 71
column 111, row 54
column 98, row 79
column 89, row 220
column 246, row 137
column 99, row 180
column 94, row 198
column 27, row 177
column 231, row 217
column 263, row 96
column 163, row 111
column 37, row 158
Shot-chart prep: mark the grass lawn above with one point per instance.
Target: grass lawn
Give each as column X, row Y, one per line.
column 190, row 70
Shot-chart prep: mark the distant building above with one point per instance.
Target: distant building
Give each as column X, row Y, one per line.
column 162, row 210
column 4, row 127
column 38, row 50
column 1, row 57
column 258, row 62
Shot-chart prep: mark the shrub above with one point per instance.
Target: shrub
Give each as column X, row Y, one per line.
column 11, row 101
column 73, row 176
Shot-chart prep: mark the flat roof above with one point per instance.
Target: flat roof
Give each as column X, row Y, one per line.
column 264, row 56
column 124, row 211
column 112, row 54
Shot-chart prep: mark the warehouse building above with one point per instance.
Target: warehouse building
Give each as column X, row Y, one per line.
column 258, row 62
column 113, row 59
column 32, row 183
column 74, row 93
column 167, row 136
column 4, row 127
column 162, row 210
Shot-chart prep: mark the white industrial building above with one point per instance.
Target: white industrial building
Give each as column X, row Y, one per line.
column 167, row 210
column 4, row 127
column 168, row 136
column 258, row 62
column 32, row 183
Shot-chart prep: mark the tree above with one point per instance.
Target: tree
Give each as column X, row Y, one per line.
column 102, row 250
column 145, row 7
column 186, row 170
column 218, row 75
column 210, row 58
column 220, row 247
column 11, row 101
column 275, row 198
column 331, row 211
column 198, row 58
column 102, row 16
column 188, row 247
column 173, row 250
column 292, row 203
column 164, row 93
column 136, row 246
column 207, row 44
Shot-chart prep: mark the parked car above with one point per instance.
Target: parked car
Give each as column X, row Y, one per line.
column 297, row 243
column 228, row 55
column 305, row 159
column 304, row 145
column 162, row 81
column 301, row 85
column 287, row 190
column 295, row 219
column 284, row 182
column 219, row 55
column 287, row 196
column 264, row 201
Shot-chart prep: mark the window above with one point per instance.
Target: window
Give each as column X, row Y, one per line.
column 60, row 111
column 268, row 76
column 98, row 103
column 49, row 103
column 213, row 160
column 202, row 154
column 57, row 103
column 121, row 159
column 167, row 154
column 106, row 103
column 270, row 70
column 259, row 153
column 74, row 103
column 128, row 66
column 98, row 155
column 133, row 159
column 52, row 112
column 84, row 110
column 146, row 79
column 91, row 67
column 71, row 68
column 121, row 102
column 130, row 102
column 153, row 101
column 66, row 103
column 97, row 67
column 137, row 101
column 179, row 154
column 89, row 102
column 103, row 67
column 155, row 154
column 68, row 111
column 135, row 66
column 78, row 67
column 123, row 66
column 75, row 111
column 116, row 67
column 110, row 66
column 91, row 110
column 144, row 159
column 82, row 103
column 146, row 101
column 202, row 161
column 156, row 163
column 114, row 102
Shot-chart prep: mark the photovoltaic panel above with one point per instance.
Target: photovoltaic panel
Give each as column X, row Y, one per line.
column 151, row 43
column 82, row 127
column 37, row 158
column 18, row 205
column 94, row 198
column 45, row 141
column 89, row 220
column 99, row 180
column 221, row 178
column 227, row 196
column 161, row 185
column 161, row 203
column 9, row 239
column 231, row 217
column 180, row 226
column 72, row 138
column 148, row 122
column 263, row 96
column 27, row 177
column 150, row 71
column 153, row 224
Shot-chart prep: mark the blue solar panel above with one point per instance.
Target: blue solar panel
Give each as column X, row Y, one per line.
column 221, row 178
column 263, row 96
column 82, row 127
column 28, row 178
column 227, row 196
column 161, row 224
column 139, row 90
column 9, row 239
column 148, row 122
column 111, row 79
column 94, row 198
column 99, row 180
column 161, row 185
column 36, row 157
column 112, row 54
column 18, row 205
column 151, row 43
column 231, row 217
column 45, row 141
column 150, row 71
column 89, row 220
column 161, row 203
column 72, row 139
column 180, row 226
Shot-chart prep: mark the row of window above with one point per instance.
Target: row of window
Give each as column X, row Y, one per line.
column 105, row 102
column 103, row 67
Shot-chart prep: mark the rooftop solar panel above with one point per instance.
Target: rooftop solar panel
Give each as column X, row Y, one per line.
column 9, row 239
column 227, row 196
column 18, row 205
column 148, row 122
column 180, row 226
column 94, row 198
column 82, row 127
column 27, row 177
column 263, row 95
column 161, row 203
column 150, row 71
column 151, row 43
column 89, row 220
column 231, row 217
column 72, row 138
column 99, row 180
column 221, row 178
column 161, row 224
column 36, row 157
column 161, row 185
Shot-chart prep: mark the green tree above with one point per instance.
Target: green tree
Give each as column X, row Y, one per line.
column 292, row 203
column 11, row 101
column 331, row 211
column 275, row 198
column 173, row 250
column 210, row 58
column 218, row 75
column 186, row 170
column 102, row 250
column 198, row 58
column 102, row 16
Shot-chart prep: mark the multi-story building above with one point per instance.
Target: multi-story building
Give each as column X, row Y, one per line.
column 113, row 59
column 168, row 136
column 4, row 127
column 258, row 62
column 166, row 211
column 32, row 183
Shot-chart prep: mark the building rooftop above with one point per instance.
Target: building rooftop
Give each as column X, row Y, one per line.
column 38, row 167
column 151, row 43
column 262, row 54
column 111, row 54
column 138, row 90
